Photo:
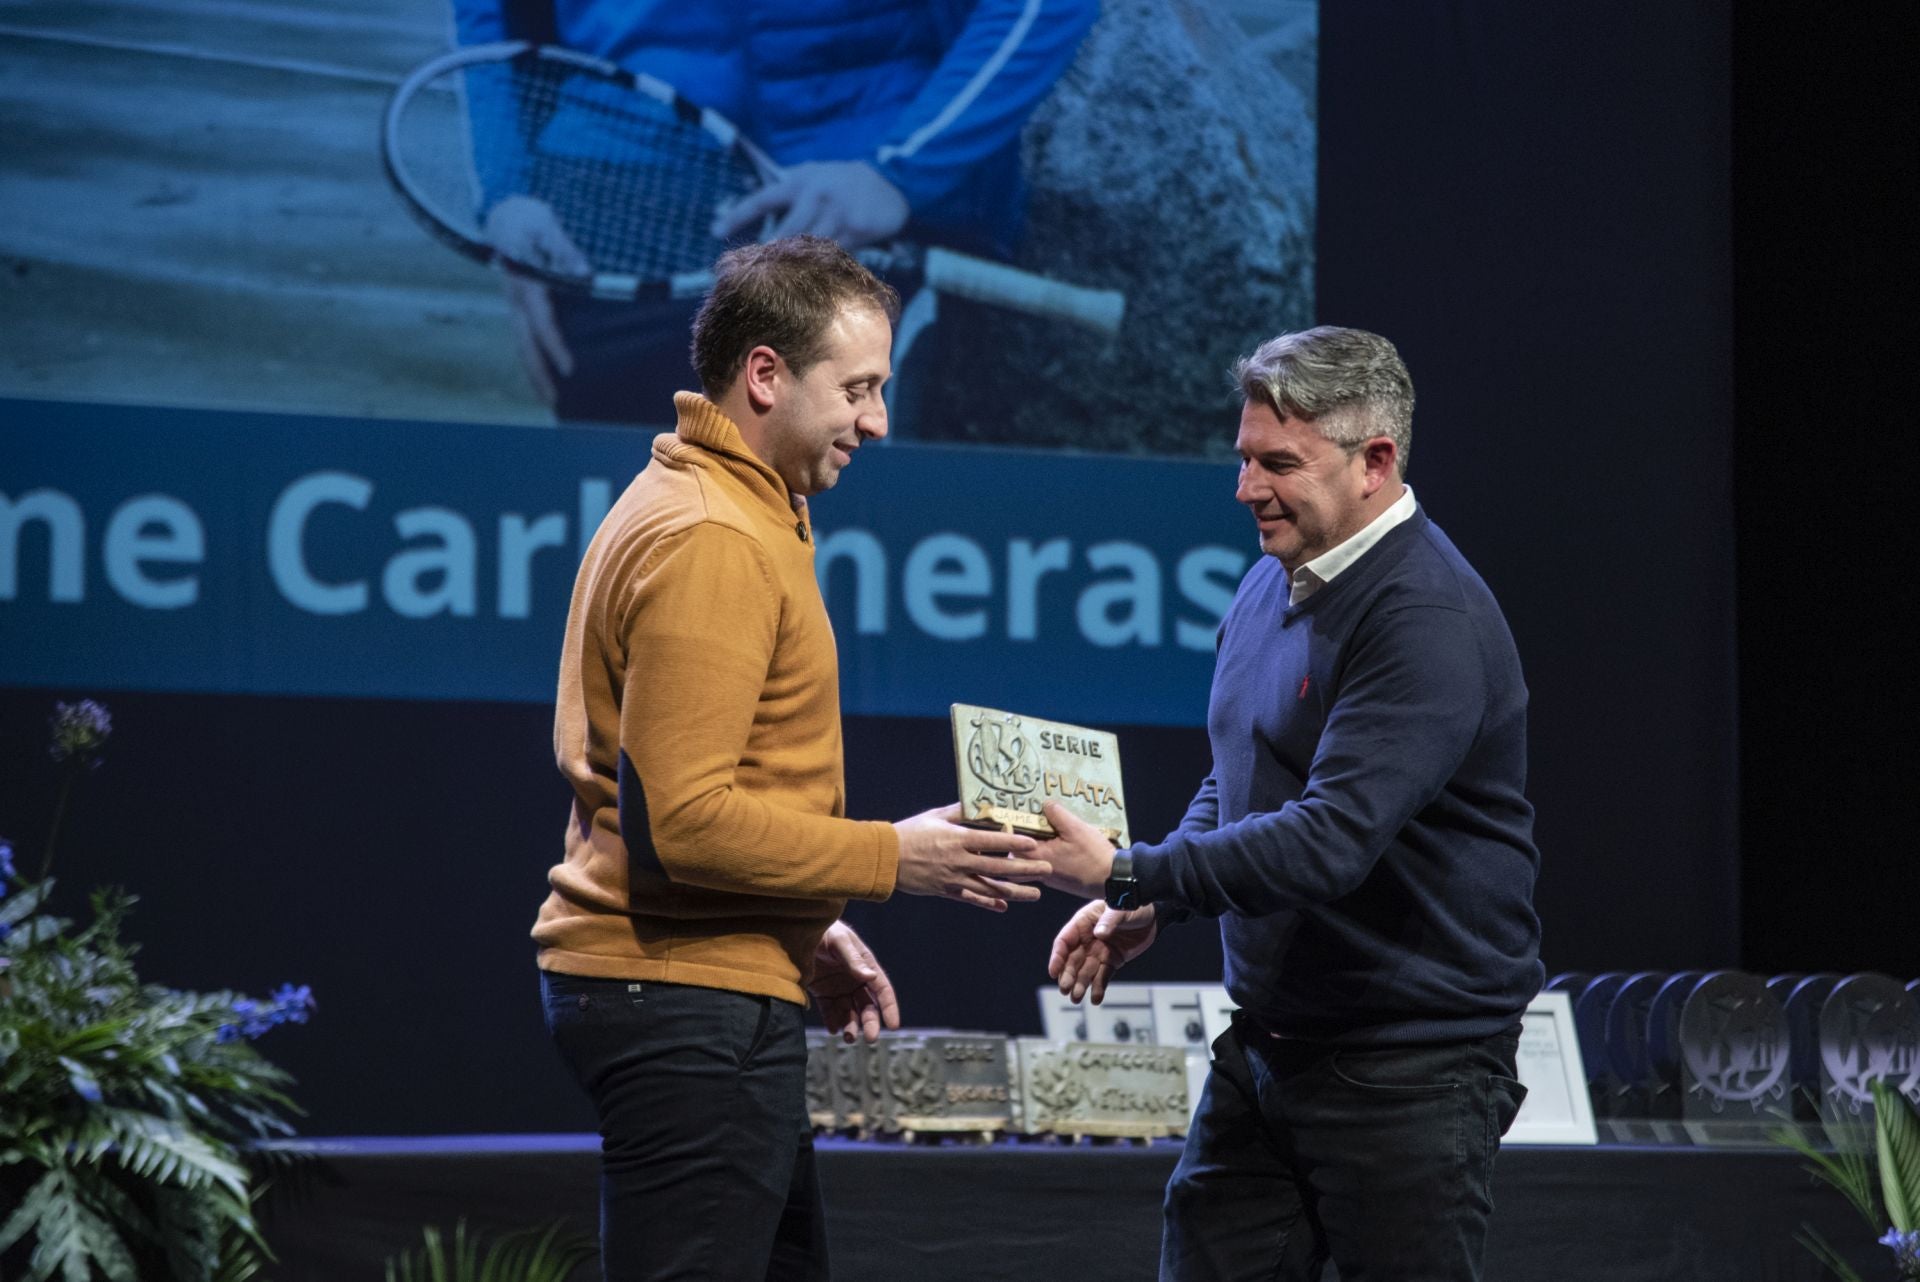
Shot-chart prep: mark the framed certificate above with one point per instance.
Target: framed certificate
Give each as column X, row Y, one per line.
column 1558, row 1109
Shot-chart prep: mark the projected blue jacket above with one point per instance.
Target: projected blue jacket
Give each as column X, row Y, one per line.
column 933, row 93
column 1365, row 836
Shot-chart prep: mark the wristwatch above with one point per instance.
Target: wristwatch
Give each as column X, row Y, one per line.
column 1123, row 892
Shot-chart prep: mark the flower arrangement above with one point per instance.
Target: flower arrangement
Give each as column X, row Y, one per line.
column 128, row 1111
column 1894, row 1168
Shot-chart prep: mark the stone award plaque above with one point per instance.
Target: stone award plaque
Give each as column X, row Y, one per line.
column 874, row 1098
column 1086, row 1088
column 847, row 1084
column 820, row 1111
column 947, row 1083
column 1011, row 765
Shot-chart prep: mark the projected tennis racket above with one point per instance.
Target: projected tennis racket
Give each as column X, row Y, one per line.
column 632, row 172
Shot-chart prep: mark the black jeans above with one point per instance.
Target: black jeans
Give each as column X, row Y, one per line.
column 707, row 1167
column 1380, row 1158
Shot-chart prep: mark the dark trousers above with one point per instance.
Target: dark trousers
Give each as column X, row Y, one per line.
column 707, row 1167
column 1378, row 1158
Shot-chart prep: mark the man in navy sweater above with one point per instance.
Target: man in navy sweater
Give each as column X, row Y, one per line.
column 1366, row 842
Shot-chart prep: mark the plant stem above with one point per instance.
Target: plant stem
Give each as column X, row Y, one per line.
column 53, row 833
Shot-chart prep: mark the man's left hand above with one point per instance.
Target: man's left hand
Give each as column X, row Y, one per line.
column 855, row 996
column 1081, row 855
column 844, row 200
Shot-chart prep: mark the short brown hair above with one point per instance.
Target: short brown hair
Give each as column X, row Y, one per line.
column 784, row 294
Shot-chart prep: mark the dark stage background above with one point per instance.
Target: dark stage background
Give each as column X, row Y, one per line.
column 1542, row 206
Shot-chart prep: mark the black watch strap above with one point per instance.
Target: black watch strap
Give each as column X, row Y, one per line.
column 1123, row 892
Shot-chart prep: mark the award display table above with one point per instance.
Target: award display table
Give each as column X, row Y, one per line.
column 1020, row 1210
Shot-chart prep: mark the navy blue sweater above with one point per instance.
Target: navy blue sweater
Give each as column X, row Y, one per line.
column 1365, row 837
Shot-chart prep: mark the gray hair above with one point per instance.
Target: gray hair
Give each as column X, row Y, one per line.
column 1349, row 384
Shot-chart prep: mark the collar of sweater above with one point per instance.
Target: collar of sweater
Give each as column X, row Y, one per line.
column 704, row 426
column 1370, row 565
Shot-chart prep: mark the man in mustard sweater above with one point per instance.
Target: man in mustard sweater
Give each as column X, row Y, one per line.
column 708, row 855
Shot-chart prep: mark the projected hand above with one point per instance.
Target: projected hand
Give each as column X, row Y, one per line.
column 1095, row 942
column 939, row 857
column 529, row 230
column 845, row 200
column 854, row 995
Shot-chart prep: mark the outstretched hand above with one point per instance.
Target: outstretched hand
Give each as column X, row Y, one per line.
column 982, row 868
column 1095, row 942
column 854, row 995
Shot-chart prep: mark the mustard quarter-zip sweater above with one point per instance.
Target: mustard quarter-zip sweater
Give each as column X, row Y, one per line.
column 698, row 722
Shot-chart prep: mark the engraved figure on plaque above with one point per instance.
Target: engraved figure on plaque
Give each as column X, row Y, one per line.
column 1734, row 1046
column 1868, row 1029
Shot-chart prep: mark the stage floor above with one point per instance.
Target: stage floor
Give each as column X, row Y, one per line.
column 1016, row 1211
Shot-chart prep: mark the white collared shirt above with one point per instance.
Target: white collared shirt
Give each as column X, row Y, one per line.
column 1320, row 571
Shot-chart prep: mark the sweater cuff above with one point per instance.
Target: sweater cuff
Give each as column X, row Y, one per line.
column 886, row 869
column 1152, row 875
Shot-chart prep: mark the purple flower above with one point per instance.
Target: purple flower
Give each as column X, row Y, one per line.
column 80, row 730
column 1906, row 1250
column 289, row 1005
column 7, row 872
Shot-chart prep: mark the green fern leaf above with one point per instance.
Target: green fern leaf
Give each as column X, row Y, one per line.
column 525, row 1255
column 93, row 1038
column 39, row 930
column 18, row 906
column 1822, row 1251
column 1897, row 1132
column 1846, row 1169
column 32, row 1208
column 104, row 1244
column 168, row 1153
column 113, row 1202
column 70, row 1239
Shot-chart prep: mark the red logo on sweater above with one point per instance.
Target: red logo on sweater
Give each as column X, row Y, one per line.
column 1303, row 686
